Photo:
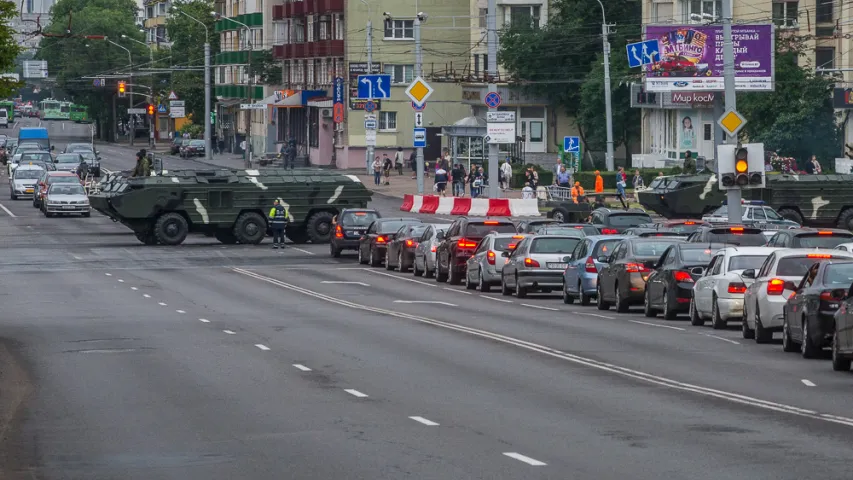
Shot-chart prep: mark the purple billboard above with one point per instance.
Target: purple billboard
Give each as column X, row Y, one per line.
column 691, row 58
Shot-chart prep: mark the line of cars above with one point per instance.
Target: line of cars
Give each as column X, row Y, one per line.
column 795, row 281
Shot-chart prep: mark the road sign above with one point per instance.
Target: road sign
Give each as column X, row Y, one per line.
column 374, row 86
column 419, row 91
column 370, row 124
column 493, row 100
column 369, row 106
column 571, row 144
column 339, row 90
column 370, row 138
column 176, row 103
column 338, row 113
column 419, row 119
column 177, row 112
column 137, row 111
column 160, row 109
column 419, row 137
column 99, row 82
column 253, row 106
column 35, row 69
column 370, row 116
column 419, row 107
column 731, row 122
column 500, row 117
column 172, row 95
column 643, row 53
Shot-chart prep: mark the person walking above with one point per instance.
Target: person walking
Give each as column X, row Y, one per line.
column 413, row 160
column 441, row 181
column 386, row 168
column 532, row 177
column 398, row 160
column 475, row 178
column 278, row 222
column 599, row 182
column 456, row 178
column 620, row 188
column 377, row 171
column 506, row 170
column 815, row 166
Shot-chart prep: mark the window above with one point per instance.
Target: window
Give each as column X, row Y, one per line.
column 785, row 14
column 662, row 12
column 482, row 16
column 705, row 10
column 825, row 57
column 149, row 12
column 525, row 15
column 161, row 7
column 399, row 29
column 338, row 21
column 824, row 11
column 281, row 32
column 310, row 37
column 298, row 30
column 325, row 28
column 400, row 73
column 309, row 67
column 222, row 75
column 388, row 121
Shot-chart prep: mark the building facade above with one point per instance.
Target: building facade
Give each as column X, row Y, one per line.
column 32, row 13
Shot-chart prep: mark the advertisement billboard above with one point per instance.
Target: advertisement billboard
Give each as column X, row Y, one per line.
column 691, row 58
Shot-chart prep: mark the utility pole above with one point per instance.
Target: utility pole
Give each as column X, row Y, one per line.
column 608, row 106
column 733, row 195
column 208, row 138
column 153, row 118
column 369, row 154
column 492, row 53
column 419, row 66
column 248, row 113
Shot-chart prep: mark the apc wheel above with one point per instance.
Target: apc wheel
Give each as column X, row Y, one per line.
column 793, row 215
column 695, row 319
column 319, row 227
column 171, row 229
column 560, row 214
column 845, row 221
column 250, row 228
column 839, row 363
column 225, row 236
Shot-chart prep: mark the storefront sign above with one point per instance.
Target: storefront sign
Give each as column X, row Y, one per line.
column 356, row 69
column 694, row 99
column 691, row 58
column 500, row 133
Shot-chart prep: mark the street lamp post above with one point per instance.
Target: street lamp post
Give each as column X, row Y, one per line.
column 151, row 65
column 208, row 137
column 605, row 30
column 130, row 90
column 248, row 87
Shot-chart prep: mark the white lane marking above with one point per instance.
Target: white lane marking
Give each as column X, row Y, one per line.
column 457, row 291
column 349, row 268
column 396, row 277
column 808, row 383
column 161, row 304
column 569, row 357
column 346, row 283
column 134, row 288
column 108, row 274
column 146, row 295
column 496, row 299
column 539, row 307
column 302, row 250
column 302, row 367
column 77, row 257
column 425, row 301
column 355, row 393
column 229, row 332
column 262, row 347
column 425, row 421
column 596, row 315
column 525, row 459
column 180, row 311
column 203, row 320
column 120, row 280
column 720, row 338
column 656, row 325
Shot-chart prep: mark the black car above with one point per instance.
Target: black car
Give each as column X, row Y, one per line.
column 653, row 232
column 192, row 148
column 372, row 245
column 809, row 314
column 400, row 252
column 175, row 147
column 810, row 238
column 669, row 288
column 459, row 244
column 611, row 221
column 530, row 226
column 348, row 227
column 622, row 277
column 730, row 235
column 842, row 343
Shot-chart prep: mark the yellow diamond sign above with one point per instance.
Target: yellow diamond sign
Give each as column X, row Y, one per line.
column 419, row 91
column 731, row 122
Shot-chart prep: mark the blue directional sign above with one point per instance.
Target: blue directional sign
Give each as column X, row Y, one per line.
column 571, row 144
column 643, row 53
column 161, row 108
column 419, row 137
column 418, row 108
column 374, row 86
column 339, row 90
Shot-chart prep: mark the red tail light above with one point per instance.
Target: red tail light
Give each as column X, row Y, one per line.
column 824, row 233
column 590, row 265
column 491, row 257
column 689, row 223
column 775, row 286
column 410, row 243
column 609, row 231
column 465, row 243
column 490, row 222
column 836, row 295
column 737, row 287
column 636, row 268
column 381, row 239
column 432, row 249
column 529, row 262
column 339, row 232
column 681, row 276
column 736, row 230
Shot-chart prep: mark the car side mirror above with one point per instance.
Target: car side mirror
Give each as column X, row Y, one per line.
column 604, row 259
column 505, row 254
column 567, row 258
column 697, row 270
column 748, row 273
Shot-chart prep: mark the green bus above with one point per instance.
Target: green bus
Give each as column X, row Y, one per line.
column 79, row 113
column 51, row 109
column 10, row 109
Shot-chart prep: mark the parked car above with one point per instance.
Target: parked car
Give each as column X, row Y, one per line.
column 537, row 263
column 809, row 314
column 718, row 294
column 810, row 238
column 580, row 279
column 348, row 227
column 669, row 288
column 400, row 252
column 192, row 148
column 372, row 244
column 483, row 269
column 730, row 235
column 611, row 221
column 175, row 146
column 459, row 244
column 424, row 264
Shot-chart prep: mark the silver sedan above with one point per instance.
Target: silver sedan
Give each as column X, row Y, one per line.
column 424, row 264
column 484, row 267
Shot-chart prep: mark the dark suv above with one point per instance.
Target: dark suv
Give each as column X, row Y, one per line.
column 612, row 222
column 809, row 238
column 459, row 244
column 348, row 227
column 730, row 235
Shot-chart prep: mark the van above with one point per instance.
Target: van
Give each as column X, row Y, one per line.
column 4, row 118
column 37, row 135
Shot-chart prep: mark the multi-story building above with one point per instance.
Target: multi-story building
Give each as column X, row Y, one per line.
column 155, row 13
column 32, row 14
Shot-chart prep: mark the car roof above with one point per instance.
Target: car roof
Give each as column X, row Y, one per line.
column 535, row 236
column 59, row 173
column 509, row 235
column 700, row 245
column 634, row 211
column 29, row 167
column 373, row 210
column 658, row 239
column 485, row 219
column 798, row 252
column 738, row 251
column 598, row 238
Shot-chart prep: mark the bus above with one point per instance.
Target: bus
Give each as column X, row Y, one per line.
column 9, row 105
column 65, row 110
column 51, row 109
column 79, row 113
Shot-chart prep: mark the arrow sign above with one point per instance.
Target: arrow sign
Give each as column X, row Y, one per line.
column 647, row 53
column 419, row 119
column 374, row 86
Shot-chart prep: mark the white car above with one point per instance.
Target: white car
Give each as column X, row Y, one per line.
column 66, row 199
column 847, row 247
column 773, row 284
column 718, row 293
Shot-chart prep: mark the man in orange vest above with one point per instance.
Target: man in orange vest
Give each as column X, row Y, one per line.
column 599, row 182
column 577, row 191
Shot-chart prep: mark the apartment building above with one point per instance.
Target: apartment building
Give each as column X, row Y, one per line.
column 31, row 13
column 155, row 13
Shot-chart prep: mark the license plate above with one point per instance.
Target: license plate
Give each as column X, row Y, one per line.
column 29, row 190
column 558, row 265
column 68, row 207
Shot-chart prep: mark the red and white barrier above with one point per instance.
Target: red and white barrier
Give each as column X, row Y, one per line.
column 474, row 207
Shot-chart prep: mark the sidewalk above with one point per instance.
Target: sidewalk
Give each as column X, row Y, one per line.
column 404, row 184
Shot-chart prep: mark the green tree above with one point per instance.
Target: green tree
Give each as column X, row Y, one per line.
column 188, row 38
column 9, row 49
column 797, row 119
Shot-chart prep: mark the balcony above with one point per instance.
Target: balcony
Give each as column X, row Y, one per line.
column 320, row 7
column 278, row 12
column 323, row 48
column 306, row 7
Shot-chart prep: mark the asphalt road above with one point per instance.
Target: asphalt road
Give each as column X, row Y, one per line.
column 207, row 361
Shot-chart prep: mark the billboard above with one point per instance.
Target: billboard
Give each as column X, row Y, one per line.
column 356, row 69
column 691, row 58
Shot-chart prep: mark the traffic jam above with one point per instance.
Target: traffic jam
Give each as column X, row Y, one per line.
column 769, row 277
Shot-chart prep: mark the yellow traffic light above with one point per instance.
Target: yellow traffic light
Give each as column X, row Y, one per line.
column 150, row 109
column 741, row 166
column 121, row 87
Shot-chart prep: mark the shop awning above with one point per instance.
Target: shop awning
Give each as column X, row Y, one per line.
column 321, row 102
column 292, row 98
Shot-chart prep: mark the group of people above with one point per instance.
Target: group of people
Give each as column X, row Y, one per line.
column 475, row 180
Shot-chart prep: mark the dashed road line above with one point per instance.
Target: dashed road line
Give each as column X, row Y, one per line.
column 656, row 325
column 180, row 311
column 203, row 320
column 808, row 383
column 108, row 274
column 262, row 346
column 302, row 250
column 120, row 281
column 134, row 288
column 301, row 367
column 161, row 304
column 355, row 393
column 458, row 291
column 525, row 459
column 540, row 307
column 496, row 299
column 9, row 212
column 425, row 421
column 426, row 301
column 720, row 338
column 596, row 315
column 146, row 295
column 229, row 332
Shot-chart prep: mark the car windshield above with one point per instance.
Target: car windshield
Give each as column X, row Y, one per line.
column 480, row 230
column 744, row 240
column 604, row 247
column 35, row 157
column 721, row 212
column 772, row 215
column 692, row 256
column 67, row 159
column 745, row 262
column 629, row 219
column 67, row 190
column 87, row 155
column 30, row 173
column 796, row 266
column 392, row 226
column 79, row 148
column 562, row 231
column 417, row 230
column 816, row 240
column 838, row 274
column 197, row 143
column 651, row 249
column 358, row 219
column 554, row 245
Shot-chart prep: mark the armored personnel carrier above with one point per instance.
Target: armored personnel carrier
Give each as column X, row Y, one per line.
column 230, row 205
column 810, row 200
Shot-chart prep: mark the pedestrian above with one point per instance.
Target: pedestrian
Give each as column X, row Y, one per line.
column 506, row 169
column 476, row 181
column 599, row 182
column 221, row 145
column 815, row 166
column 532, row 177
column 620, row 189
column 377, row 171
column 563, row 178
column 577, row 193
column 426, row 168
column 278, row 222
column 456, row 178
column 398, row 160
column 413, row 160
column 386, row 168
column 638, row 181
column 441, row 181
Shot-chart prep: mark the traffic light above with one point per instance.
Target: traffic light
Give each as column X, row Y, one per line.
column 741, row 167
column 213, row 118
column 755, row 160
column 150, row 109
column 122, row 88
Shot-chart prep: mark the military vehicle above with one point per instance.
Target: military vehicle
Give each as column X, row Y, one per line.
column 230, row 205
column 809, row 200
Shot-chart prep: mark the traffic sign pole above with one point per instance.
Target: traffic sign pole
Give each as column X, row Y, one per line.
column 418, row 72
column 733, row 195
column 369, row 154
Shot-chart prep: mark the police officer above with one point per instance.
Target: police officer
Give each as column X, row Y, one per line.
column 278, row 221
